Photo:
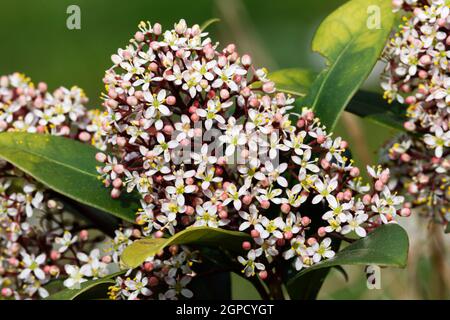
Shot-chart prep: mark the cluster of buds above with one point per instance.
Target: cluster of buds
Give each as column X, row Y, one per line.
column 40, row 239
column 207, row 140
column 417, row 74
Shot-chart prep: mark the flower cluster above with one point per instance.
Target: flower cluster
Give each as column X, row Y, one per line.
column 40, row 239
column 206, row 140
column 417, row 74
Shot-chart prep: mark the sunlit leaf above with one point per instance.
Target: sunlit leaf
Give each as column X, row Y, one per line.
column 351, row 42
column 386, row 246
column 138, row 251
column 67, row 167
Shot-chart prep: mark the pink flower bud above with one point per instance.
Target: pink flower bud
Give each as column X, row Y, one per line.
column 106, row 259
column 115, row 193
column 268, row 87
column 139, row 36
column 223, row 214
column 423, row 74
column 354, row 172
column 159, row 234
column 7, row 292
column 153, row 281
column 84, row 235
column 379, row 185
column 367, row 199
column 263, row 275
column 288, row 235
column 246, row 245
column 410, row 126
column 117, row 183
column 254, row 233
column 100, row 157
column 157, row 29
column 112, row 103
column 118, row 168
column 425, row 59
column 340, row 196
column 168, row 129
column 405, row 212
column 246, row 60
column 281, row 242
column 132, row 101
column 410, row 100
column 306, row 221
column 324, row 164
column 265, row 204
column 321, row 232
column 311, row 241
column 285, row 208
column 247, row 199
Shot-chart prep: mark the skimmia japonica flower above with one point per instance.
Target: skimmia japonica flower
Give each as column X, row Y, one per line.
column 40, row 239
column 417, row 74
column 206, row 140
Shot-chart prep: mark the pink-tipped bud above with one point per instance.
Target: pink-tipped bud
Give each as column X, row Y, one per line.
column 340, row 196
column 7, row 292
column 153, row 281
column 265, row 204
column 311, row 241
column 379, row 185
column 367, row 199
column 223, row 214
column 321, row 232
column 410, row 100
column 106, row 259
column 246, row 60
column 321, row 139
column 117, row 183
column 148, row 266
column 268, row 87
column 115, row 193
column 100, row 157
column 118, row 168
column 325, row 164
column 189, row 210
column 405, row 212
column 409, row 125
column 288, row 235
column 423, row 74
column 246, row 245
column 159, row 234
column 263, row 275
column 354, row 172
column 425, row 59
column 84, row 136
column 132, row 101
column 168, row 129
column 285, row 208
column 306, row 221
column 121, row 141
column 84, row 235
column 55, row 255
column 254, row 233
column 157, row 29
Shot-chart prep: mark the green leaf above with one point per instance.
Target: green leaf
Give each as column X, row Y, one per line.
column 293, row 81
column 209, row 22
column 372, row 106
column 447, row 229
column 138, row 251
column 71, row 294
column 66, row 166
column 365, row 104
column 351, row 49
column 386, row 246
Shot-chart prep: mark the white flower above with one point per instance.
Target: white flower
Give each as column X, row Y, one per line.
column 156, row 103
column 234, row 195
column 325, row 190
column 137, row 286
column 322, row 250
column 250, row 264
column 179, row 190
column 32, row 265
column 178, row 287
column 354, row 224
column 438, row 141
column 75, row 277
column 65, row 241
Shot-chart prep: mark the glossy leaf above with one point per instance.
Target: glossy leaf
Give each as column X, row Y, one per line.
column 372, row 106
column 67, row 167
column 447, row 228
column 351, row 42
column 71, row 294
column 386, row 246
column 138, row 251
column 293, row 81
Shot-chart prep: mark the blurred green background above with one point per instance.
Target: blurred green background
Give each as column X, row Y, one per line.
column 36, row 41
